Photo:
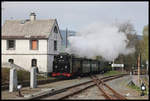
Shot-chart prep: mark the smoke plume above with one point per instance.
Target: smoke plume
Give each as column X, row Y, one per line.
column 99, row 39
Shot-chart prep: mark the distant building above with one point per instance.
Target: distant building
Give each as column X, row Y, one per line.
column 31, row 42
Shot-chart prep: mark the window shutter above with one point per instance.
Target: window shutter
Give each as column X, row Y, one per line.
column 34, row 44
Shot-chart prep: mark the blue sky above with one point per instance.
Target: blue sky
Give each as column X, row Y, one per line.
column 76, row 15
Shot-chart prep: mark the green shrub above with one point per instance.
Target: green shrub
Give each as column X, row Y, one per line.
column 5, row 75
column 21, row 75
column 137, row 88
column 109, row 73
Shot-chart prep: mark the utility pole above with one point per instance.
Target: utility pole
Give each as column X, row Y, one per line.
column 147, row 66
column 139, row 57
column 66, row 37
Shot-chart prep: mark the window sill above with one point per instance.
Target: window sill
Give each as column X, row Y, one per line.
column 10, row 49
column 34, row 50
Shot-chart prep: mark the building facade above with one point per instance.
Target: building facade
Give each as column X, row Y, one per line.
column 31, row 42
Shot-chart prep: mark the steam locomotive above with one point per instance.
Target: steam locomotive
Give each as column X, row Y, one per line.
column 66, row 65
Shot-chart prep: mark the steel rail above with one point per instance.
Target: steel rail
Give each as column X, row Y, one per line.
column 107, row 96
column 81, row 87
column 99, row 81
column 60, row 94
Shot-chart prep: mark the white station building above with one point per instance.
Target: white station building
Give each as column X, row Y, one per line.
column 31, row 42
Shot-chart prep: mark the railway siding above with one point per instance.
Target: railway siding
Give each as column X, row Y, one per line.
column 27, row 83
column 120, row 85
column 100, row 85
column 54, row 85
column 65, row 94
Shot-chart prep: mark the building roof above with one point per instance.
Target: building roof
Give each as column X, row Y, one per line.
column 27, row 28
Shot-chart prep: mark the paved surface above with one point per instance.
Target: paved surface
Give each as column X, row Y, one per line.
column 120, row 85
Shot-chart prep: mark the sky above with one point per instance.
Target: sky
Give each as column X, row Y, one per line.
column 76, row 15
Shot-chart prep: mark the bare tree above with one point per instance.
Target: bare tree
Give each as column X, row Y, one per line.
column 131, row 59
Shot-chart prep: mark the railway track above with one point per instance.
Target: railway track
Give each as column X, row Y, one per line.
column 69, row 91
column 5, row 86
column 100, row 84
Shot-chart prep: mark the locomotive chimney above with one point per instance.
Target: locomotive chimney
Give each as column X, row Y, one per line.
column 32, row 16
column 66, row 37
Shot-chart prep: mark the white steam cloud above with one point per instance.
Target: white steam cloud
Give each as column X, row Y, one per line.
column 99, row 39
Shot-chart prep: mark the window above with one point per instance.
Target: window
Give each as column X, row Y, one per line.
column 34, row 63
column 11, row 61
column 34, row 44
column 55, row 29
column 55, row 45
column 11, row 44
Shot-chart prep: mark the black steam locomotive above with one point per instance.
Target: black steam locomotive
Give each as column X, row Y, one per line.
column 67, row 65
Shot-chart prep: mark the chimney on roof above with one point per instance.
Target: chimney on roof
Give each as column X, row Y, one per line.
column 32, row 16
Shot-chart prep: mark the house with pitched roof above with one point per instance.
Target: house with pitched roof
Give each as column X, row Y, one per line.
column 31, row 42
